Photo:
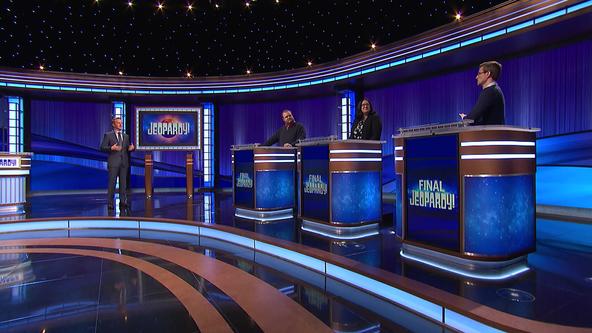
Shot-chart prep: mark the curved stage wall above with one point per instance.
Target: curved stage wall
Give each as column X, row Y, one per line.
column 545, row 47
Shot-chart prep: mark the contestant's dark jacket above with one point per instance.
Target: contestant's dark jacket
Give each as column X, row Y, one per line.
column 289, row 135
column 490, row 107
column 372, row 128
column 116, row 158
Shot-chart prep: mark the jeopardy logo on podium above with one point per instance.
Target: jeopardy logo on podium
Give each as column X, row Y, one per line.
column 168, row 128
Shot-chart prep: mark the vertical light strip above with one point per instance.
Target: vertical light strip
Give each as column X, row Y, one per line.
column 208, row 144
column 347, row 108
column 16, row 129
column 119, row 111
column 209, row 206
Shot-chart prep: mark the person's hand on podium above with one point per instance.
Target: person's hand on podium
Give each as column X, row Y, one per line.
column 116, row 147
column 287, row 145
column 131, row 147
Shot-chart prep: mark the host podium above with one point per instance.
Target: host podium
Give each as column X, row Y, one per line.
column 340, row 186
column 466, row 194
column 14, row 169
column 263, row 182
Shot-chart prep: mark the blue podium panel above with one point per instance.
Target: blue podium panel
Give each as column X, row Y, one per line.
column 244, row 195
column 499, row 215
column 431, row 178
column 275, row 189
column 315, row 182
column 356, row 197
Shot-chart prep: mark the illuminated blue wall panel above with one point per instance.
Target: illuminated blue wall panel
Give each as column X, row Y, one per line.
column 564, row 186
column 275, row 189
column 356, row 197
column 499, row 215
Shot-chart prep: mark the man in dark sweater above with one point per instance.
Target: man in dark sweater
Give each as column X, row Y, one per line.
column 491, row 105
column 289, row 134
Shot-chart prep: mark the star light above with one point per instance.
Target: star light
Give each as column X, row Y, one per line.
column 458, row 16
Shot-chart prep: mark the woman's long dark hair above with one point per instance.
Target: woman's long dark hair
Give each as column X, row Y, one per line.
column 359, row 114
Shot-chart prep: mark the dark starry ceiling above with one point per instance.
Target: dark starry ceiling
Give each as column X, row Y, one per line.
column 211, row 38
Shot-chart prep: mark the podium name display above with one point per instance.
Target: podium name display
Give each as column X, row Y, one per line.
column 168, row 128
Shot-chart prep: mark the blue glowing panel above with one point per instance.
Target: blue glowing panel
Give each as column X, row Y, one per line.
column 398, row 213
column 566, row 150
column 275, row 189
column 431, row 196
column 499, row 215
column 563, row 186
column 356, row 197
column 315, row 182
column 244, row 184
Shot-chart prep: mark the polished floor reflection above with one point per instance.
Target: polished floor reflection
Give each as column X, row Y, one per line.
column 556, row 289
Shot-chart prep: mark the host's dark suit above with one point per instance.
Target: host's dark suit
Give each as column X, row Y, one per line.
column 117, row 163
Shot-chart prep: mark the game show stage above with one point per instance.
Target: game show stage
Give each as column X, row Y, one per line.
column 330, row 281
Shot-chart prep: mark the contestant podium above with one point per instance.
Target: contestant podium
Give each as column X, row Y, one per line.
column 340, row 186
column 466, row 195
column 14, row 169
column 263, row 182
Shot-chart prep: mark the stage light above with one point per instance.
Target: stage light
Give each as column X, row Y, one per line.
column 160, row 6
column 309, row 63
column 458, row 16
column 188, row 74
column 189, row 7
column 120, row 73
column 217, row 5
column 373, row 46
column 277, row 1
column 129, row 4
column 247, row 4
column 41, row 67
column 248, row 71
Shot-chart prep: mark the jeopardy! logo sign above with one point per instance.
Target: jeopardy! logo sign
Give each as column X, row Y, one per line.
column 315, row 185
column 243, row 180
column 431, row 194
column 168, row 128
column 9, row 162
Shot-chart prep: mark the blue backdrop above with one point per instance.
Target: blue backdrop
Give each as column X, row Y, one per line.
column 551, row 90
column 255, row 122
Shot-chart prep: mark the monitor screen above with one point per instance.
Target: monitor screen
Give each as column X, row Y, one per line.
column 168, row 128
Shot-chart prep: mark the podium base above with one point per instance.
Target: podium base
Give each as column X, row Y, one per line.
column 484, row 270
column 264, row 216
column 340, row 232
